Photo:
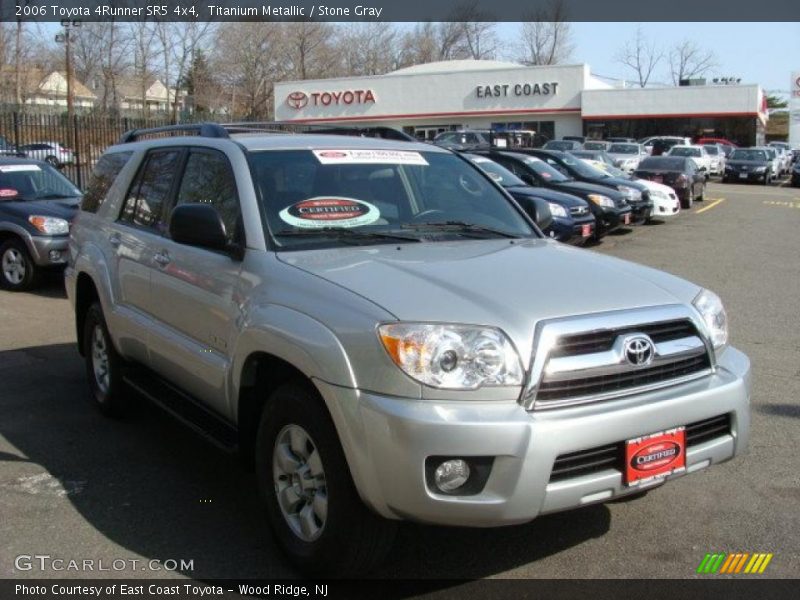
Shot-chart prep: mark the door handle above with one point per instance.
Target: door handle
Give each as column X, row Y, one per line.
column 162, row 258
column 114, row 239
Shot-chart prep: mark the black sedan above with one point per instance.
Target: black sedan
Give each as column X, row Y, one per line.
column 796, row 174
column 37, row 205
column 573, row 221
column 748, row 164
column 637, row 194
column 609, row 207
column 678, row 172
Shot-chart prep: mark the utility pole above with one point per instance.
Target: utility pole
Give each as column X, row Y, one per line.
column 65, row 38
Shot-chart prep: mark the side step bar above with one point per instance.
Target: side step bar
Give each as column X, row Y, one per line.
column 185, row 408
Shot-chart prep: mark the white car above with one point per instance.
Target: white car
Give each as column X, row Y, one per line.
column 671, row 139
column 697, row 153
column 717, row 155
column 784, row 155
column 50, row 152
column 775, row 161
column 665, row 201
column 626, row 155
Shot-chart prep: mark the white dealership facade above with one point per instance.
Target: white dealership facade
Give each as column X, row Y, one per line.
column 552, row 100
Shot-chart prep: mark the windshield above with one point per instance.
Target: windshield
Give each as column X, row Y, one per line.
column 594, row 145
column 740, row 154
column 583, row 169
column 661, row 163
column 713, row 150
column 34, row 182
column 543, row 170
column 684, row 151
column 560, row 145
column 623, row 149
column 497, row 172
column 457, row 137
column 323, row 198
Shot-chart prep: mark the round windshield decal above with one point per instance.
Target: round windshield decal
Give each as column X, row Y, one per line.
column 330, row 212
column 8, row 193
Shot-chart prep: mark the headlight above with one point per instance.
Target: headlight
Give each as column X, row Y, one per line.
column 49, row 225
column 601, row 200
column 631, row 194
column 462, row 357
column 760, row 169
column 710, row 308
column 557, row 210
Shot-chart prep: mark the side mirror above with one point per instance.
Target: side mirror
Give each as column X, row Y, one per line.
column 538, row 210
column 198, row 225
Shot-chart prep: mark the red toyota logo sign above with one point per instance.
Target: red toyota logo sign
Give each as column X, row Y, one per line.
column 297, row 100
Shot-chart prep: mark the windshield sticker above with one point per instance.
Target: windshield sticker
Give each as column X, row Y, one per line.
column 18, row 168
column 370, row 157
column 8, row 193
column 331, row 211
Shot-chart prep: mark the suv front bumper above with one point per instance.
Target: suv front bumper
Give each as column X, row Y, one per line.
column 387, row 440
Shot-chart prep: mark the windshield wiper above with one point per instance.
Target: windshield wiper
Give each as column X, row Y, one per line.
column 460, row 227
column 344, row 233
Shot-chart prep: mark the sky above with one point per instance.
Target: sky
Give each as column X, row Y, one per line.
column 762, row 53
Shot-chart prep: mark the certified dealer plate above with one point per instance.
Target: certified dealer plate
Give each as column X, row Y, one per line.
column 586, row 230
column 654, row 456
column 742, row 175
column 627, row 219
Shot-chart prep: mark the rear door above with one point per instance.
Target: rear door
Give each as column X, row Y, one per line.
column 194, row 290
column 135, row 238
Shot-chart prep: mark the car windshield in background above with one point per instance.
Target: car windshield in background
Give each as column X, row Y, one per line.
column 742, row 154
column 556, row 145
column 454, row 137
column 685, row 151
column 662, row 163
column 497, row 172
column 544, row 170
column 594, row 145
column 623, row 149
column 582, row 168
column 34, row 182
column 334, row 197
column 713, row 150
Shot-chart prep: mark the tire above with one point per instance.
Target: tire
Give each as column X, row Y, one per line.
column 52, row 160
column 687, row 204
column 767, row 180
column 702, row 195
column 337, row 536
column 18, row 272
column 104, row 367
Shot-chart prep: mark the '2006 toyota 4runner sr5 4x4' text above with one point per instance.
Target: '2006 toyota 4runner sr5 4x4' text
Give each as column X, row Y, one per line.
column 383, row 330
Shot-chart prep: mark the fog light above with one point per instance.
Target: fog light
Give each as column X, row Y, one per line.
column 55, row 254
column 451, row 475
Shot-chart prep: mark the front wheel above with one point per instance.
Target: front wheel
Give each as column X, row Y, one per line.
column 310, row 500
column 702, row 195
column 17, row 269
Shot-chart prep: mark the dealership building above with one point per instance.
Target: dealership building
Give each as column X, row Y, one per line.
column 553, row 101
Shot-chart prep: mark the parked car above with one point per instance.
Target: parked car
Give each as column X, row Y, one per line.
column 573, row 221
column 621, row 140
column 562, row 145
column 37, row 204
column 678, row 172
column 596, row 145
column 665, row 201
column 609, row 207
column 635, row 193
column 390, row 337
column 784, row 156
column 597, row 155
column 716, row 157
column 8, row 149
column 774, row 161
column 50, row 152
column 748, row 164
column 626, row 155
column 796, row 174
column 727, row 145
column 698, row 154
column 660, row 144
column 463, row 140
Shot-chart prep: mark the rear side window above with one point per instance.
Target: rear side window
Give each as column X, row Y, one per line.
column 208, row 179
column 144, row 206
column 103, row 176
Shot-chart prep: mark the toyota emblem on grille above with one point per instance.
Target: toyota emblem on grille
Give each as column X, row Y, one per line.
column 639, row 350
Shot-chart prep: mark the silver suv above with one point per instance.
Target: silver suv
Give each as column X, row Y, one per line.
column 382, row 330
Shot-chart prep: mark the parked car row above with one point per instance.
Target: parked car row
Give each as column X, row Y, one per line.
column 760, row 164
column 53, row 153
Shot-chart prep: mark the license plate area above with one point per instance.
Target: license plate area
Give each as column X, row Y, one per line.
column 586, row 230
column 742, row 175
column 627, row 219
column 654, row 456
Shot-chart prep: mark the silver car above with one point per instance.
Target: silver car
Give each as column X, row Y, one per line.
column 626, row 156
column 387, row 336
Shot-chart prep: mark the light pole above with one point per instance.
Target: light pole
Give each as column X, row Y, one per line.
column 65, row 38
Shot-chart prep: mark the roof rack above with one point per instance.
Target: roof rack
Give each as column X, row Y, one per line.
column 225, row 130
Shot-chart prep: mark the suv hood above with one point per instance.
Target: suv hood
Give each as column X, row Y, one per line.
column 65, row 208
column 550, row 195
column 492, row 282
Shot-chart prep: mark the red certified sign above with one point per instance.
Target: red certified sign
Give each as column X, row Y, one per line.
column 655, row 455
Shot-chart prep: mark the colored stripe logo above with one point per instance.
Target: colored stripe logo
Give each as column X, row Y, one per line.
column 734, row 563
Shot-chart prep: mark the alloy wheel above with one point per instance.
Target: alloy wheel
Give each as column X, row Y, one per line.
column 14, row 266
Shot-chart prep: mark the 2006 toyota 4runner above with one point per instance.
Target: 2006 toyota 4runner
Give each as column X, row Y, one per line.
column 382, row 330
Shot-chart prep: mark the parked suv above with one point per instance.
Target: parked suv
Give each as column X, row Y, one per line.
column 387, row 335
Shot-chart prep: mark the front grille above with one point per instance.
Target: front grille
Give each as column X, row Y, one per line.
column 601, row 340
column 579, row 210
column 612, row 456
column 604, row 384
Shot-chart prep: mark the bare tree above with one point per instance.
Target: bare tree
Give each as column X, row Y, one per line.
column 640, row 56
column 179, row 42
column 687, row 60
column 143, row 37
column 367, row 48
column 546, row 36
column 308, row 49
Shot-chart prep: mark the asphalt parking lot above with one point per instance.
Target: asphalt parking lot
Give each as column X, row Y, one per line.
column 74, row 485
